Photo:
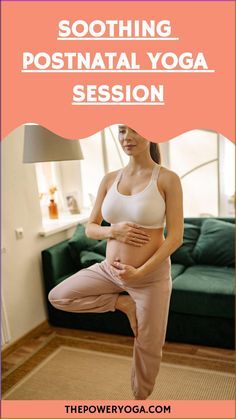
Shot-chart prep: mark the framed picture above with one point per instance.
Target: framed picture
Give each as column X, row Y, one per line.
column 72, row 203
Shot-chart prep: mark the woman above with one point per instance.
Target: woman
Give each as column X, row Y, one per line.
column 135, row 201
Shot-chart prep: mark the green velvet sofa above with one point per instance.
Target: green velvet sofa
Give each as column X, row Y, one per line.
column 202, row 301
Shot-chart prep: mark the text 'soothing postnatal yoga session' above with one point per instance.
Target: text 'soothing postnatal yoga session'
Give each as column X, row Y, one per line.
column 137, row 202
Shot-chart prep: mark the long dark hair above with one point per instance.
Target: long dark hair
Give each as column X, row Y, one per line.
column 155, row 152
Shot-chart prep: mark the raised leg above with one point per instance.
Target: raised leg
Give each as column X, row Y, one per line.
column 89, row 290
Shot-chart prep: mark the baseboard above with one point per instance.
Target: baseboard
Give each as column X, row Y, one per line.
column 38, row 330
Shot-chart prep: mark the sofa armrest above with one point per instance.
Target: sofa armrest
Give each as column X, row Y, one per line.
column 57, row 264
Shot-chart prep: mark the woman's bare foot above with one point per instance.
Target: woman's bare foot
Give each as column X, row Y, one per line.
column 127, row 305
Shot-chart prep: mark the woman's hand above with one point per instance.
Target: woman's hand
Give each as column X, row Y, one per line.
column 125, row 272
column 130, row 233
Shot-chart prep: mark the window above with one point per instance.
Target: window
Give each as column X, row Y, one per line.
column 102, row 154
column 205, row 162
column 80, row 179
column 203, row 159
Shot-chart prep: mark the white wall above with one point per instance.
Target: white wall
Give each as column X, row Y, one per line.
column 22, row 283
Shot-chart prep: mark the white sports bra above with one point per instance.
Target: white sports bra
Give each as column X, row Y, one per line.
column 145, row 208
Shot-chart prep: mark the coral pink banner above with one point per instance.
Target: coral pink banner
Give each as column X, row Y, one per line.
column 121, row 409
column 178, row 78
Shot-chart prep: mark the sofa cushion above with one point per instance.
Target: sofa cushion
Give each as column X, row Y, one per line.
column 57, row 262
column 205, row 291
column 215, row 245
column 78, row 242
column 183, row 255
column 88, row 258
column 99, row 247
column 176, row 270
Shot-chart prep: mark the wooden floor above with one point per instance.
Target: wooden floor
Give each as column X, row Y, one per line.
column 177, row 353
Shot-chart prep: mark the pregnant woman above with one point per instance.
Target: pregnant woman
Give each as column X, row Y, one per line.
column 136, row 201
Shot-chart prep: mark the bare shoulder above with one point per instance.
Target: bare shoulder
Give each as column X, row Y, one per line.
column 109, row 178
column 168, row 178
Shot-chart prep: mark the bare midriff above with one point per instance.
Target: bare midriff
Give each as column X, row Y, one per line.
column 133, row 255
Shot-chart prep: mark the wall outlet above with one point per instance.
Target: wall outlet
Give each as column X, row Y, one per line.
column 19, row 233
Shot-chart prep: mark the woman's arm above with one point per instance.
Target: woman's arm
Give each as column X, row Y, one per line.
column 174, row 223
column 125, row 232
column 94, row 229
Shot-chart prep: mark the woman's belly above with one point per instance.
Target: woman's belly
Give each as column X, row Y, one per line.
column 133, row 255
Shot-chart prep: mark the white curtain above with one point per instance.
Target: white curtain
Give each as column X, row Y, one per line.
column 194, row 157
column 227, row 176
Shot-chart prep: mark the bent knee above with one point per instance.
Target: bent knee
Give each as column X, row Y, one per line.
column 60, row 304
column 51, row 296
column 57, row 297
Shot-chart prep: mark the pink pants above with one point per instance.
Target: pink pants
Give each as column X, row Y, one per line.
column 96, row 290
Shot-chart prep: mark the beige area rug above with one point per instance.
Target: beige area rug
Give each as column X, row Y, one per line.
column 79, row 374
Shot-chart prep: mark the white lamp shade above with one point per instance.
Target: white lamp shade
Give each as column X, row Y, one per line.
column 42, row 145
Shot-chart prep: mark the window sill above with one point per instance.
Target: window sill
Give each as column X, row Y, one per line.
column 65, row 222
